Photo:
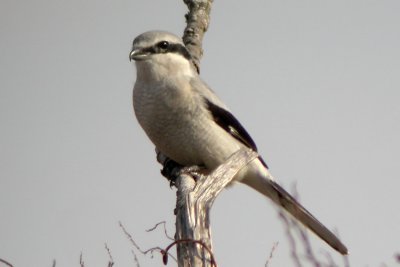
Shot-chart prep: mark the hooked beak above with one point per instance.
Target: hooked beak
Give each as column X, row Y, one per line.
column 137, row 55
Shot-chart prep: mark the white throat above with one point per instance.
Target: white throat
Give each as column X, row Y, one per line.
column 162, row 66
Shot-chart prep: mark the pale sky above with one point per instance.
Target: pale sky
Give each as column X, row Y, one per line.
column 316, row 83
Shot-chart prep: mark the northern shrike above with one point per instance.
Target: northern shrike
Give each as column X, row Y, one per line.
column 189, row 124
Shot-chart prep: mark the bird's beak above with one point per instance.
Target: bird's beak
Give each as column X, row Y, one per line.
column 138, row 54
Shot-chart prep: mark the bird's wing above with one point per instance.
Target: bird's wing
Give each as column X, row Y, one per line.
column 222, row 116
column 229, row 123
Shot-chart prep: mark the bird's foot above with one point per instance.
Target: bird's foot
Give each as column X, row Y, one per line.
column 194, row 171
column 172, row 170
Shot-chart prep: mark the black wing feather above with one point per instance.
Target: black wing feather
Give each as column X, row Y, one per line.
column 229, row 123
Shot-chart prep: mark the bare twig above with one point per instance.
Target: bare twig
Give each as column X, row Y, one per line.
column 347, row 262
column 271, row 254
column 144, row 252
column 306, row 244
column 81, row 262
column 397, row 257
column 331, row 262
column 128, row 235
column 292, row 241
column 291, row 224
column 111, row 260
column 135, row 258
column 6, row 263
column 165, row 229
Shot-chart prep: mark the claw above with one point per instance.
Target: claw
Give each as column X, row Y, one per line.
column 194, row 171
column 172, row 170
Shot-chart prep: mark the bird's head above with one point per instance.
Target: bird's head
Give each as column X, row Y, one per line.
column 160, row 52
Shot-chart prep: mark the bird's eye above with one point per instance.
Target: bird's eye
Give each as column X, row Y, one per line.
column 163, row 45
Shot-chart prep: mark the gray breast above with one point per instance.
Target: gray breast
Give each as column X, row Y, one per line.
column 167, row 118
column 181, row 127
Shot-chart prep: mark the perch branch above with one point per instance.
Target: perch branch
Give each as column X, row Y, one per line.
column 194, row 202
column 197, row 21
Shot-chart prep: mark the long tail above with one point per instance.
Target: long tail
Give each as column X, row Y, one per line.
column 282, row 198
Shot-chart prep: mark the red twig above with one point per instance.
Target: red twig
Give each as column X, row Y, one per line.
column 165, row 252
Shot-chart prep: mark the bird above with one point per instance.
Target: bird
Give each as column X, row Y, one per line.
column 188, row 123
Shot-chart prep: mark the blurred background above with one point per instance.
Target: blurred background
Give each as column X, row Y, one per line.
column 316, row 83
